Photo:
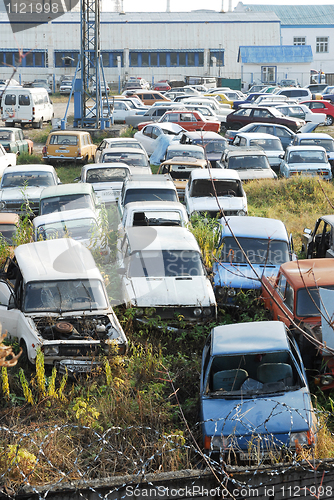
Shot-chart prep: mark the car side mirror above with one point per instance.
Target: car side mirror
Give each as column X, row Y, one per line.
column 281, row 156
column 121, row 271
column 12, row 303
column 77, row 179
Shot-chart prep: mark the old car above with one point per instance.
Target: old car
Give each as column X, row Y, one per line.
column 116, row 142
column 133, row 157
column 53, row 297
column 322, row 106
column 317, row 139
column 212, row 143
column 154, row 213
column 319, row 242
column 6, row 160
column 306, row 160
column 163, row 275
column 21, row 187
column 68, row 197
column 66, row 86
column 147, row 188
column 255, row 403
column 8, row 226
column 251, row 114
column 295, row 295
column 249, row 248
column 161, row 86
column 189, row 120
column 149, row 97
column 185, row 151
column 208, row 192
column 149, row 135
column 250, row 163
column 152, row 114
column 269, row 143
column 68, row 146
column 301, row 111
column 106, row 178
column 180, row 168
column 13, row 141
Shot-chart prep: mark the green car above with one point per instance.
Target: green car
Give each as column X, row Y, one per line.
column 13, row 141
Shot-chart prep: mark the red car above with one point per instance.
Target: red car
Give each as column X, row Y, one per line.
column 189, row 120
column 322, row 107
column 161, row 86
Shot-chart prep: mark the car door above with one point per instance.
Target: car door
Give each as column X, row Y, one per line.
column 21, row 142
column 146, row 138
column 281, row 304
column 99, row 151
column 286, row 136
column 189, row 121
column 321, row 241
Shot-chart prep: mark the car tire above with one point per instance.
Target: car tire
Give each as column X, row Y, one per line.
column 23, row 359
column 329, row 120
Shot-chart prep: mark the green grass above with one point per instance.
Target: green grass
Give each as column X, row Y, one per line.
column 68, row 172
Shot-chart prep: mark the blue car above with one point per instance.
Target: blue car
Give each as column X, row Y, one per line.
column 267, row 246
column 254, row 398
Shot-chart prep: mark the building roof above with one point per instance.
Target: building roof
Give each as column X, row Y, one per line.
column 275, row 54
column 293, row 15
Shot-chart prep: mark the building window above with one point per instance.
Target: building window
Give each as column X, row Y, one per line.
column 29, row 59
column 322, row 44
column 66, row 59
column 299, row 40
column 219, row 55
column 109, row 59
column 160, row 59
column 268, row 74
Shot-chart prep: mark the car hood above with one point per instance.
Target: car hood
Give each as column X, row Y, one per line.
column 273, row 414
column 308, row 166
column 241, row 275
column 258, row 173
column 209, row 203
column 172, row 291
column 16, row 193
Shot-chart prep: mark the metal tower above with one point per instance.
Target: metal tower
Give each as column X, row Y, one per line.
column 91, row 106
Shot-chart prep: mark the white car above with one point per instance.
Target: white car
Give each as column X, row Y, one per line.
column 6, row 159
column 251, row 163
column 21, row 187
column 121, row 111
column 117, row 142
column 59, row 303
column 301, row 111
column 306, row 160
column 205, row 184
column 66, row 87
column 149, row 134
column 132, row 157
column 154, row 213
column 267, row 142
column 163, row 275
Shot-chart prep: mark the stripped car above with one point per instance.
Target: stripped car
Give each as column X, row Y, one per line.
column 52, row 296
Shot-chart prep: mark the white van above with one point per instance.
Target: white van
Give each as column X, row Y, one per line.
column 26, row 105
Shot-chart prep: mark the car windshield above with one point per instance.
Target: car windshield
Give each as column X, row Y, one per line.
column 328, row 144
column 157, row 218
column 78, row 229
column 248, row 162
column 199, row 155
column 138, row 160
column 5, row 136
column 106, row 175
column 267, row 144
column 168, row 263
column 251, row 374
column 21, row 179
column 308, row 301
column 147, row 194
column 67, row 202
column 259, row 251
column 181, row 171
column 70, row 140
column 7, row 231
column 305, row 156
column 69, row 295
column 222, row 187
column 215, row 146
column 125, row 144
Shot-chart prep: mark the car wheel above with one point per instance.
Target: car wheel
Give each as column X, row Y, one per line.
column 329, row 120
column 24, row 360
column 40, row 124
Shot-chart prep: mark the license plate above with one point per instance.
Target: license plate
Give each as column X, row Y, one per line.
column 254, row 457
column 62, row 150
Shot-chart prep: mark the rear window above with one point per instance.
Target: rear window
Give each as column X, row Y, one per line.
column 24, row 100
column 71, row 140
column 10, row 99
column 146, row 194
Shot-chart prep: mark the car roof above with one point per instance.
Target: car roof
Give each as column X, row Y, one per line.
column 184, row 147
column 170, row 126
column 29, row 168
column 121, row 139
column 314, row 135
column 161, row 238
column 310, row 272
column 204, row 135
column 68, row 132
column 57, row 259
column 244, row 151
column 64, row 189
column 254, row 227
column 114, row 164
column 146, row 180
column 9, row 129
column 124, row 150
column 214, row 173
column 77, row 214
column 166, row 206
column 289, row 149
column 257, row 135
column 254, row 337
column 185, row 160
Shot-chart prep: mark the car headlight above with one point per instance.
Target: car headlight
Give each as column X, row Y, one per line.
column 139, row 312
column 197, row 312
column 302, row 438
column 241, row 212
column 207, row 311
column 51, row 350
column 231, row 292
column 326, row 379
column 2, row 205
